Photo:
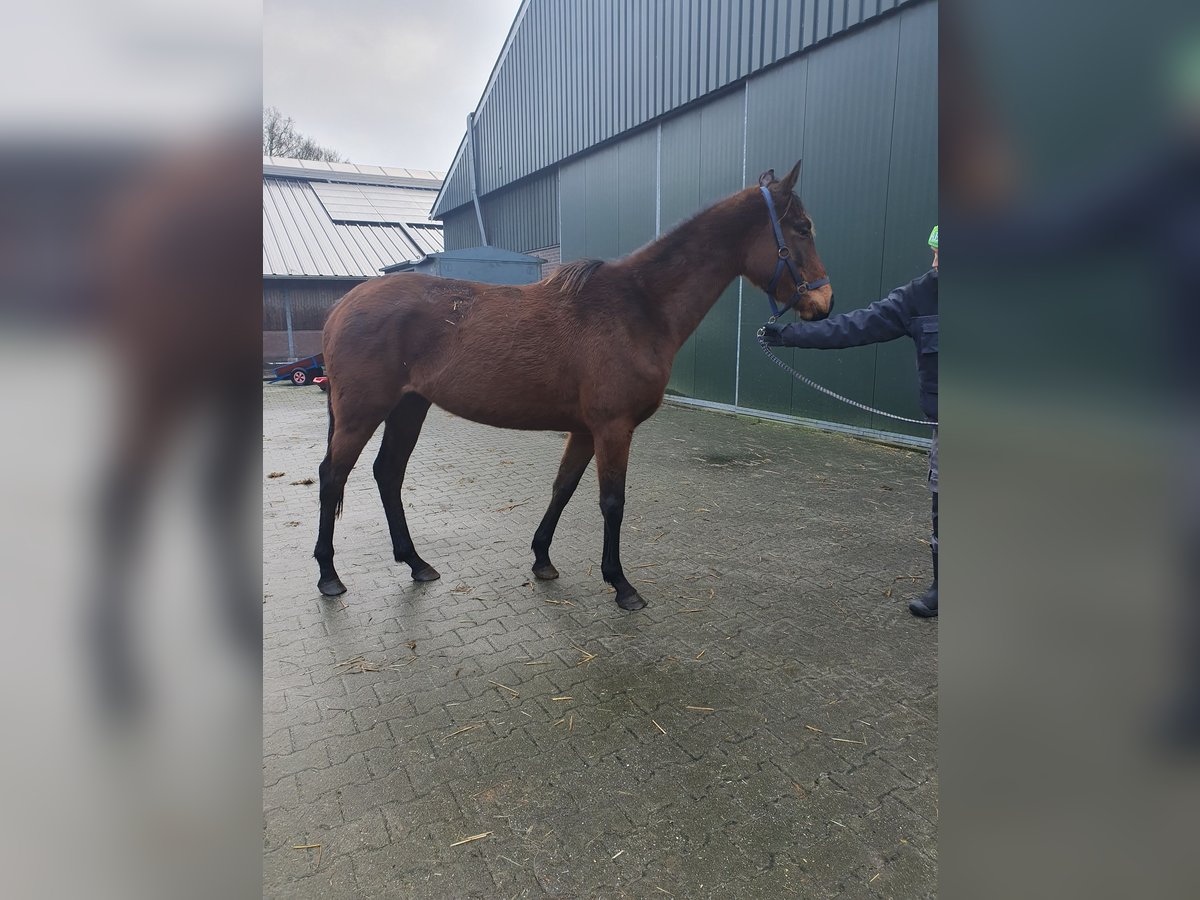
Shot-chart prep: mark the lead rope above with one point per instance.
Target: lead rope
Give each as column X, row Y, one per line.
column 827, row 392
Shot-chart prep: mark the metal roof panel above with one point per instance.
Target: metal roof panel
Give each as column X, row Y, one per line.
column 349, row 173
column 384, row 224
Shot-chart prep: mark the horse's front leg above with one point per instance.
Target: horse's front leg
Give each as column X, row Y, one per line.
column 612, row 461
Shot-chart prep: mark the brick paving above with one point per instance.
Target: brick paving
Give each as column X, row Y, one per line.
column 775, row 561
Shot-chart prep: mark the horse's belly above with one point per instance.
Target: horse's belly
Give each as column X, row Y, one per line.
column 527, row 412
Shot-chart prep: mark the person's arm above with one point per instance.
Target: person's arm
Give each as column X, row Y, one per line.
column 883, row 320
column 1102, row 213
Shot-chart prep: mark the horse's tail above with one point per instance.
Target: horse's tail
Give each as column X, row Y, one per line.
column 329, row 408
column 329, row 441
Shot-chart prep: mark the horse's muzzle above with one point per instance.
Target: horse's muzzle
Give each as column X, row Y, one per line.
column 818, row 315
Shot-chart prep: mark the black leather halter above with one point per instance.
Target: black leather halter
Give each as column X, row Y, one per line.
column 785, row 259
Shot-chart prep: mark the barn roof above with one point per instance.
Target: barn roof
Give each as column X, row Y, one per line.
column 339, row 220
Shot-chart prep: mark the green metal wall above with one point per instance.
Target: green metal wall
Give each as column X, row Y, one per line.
column 679, row 197
column 861, row 111
column 719, row 168
column 912, row 196
column 574, row 74
column 521, row 218
column 849, row 99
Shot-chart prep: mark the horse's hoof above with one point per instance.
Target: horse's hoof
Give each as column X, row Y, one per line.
column 546, row 572
column 428, row 573
column 331, row 587
column 632, row 600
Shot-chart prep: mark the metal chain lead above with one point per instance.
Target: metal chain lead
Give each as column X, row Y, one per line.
column 827, row 392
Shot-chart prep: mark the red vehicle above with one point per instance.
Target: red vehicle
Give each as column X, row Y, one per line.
column 302, row 371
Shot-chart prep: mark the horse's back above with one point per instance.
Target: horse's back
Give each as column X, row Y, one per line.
column 513, row 356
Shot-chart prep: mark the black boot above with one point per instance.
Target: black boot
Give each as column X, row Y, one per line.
column 926, row 605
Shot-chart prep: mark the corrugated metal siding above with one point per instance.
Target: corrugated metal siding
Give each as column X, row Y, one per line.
column 522, row 218
column 608, row 199
column 310, row 302
column 525, row 217
column 460, row 230
column 862, row 113
column 702, row 162
column 300, row 238
column 601, row 213
column 578, row 74
column 720, row 173
column 850, row 96
column 774, row 140
column 635, row 190
column 679, row 189
column 911, row 201
column 573, row 210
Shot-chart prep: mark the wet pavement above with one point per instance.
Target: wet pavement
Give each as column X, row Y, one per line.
column 766, row 727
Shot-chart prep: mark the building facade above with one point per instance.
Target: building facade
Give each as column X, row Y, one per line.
column 328, row 227
column 605, row 123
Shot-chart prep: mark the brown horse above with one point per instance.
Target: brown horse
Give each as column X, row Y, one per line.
column 588, row 351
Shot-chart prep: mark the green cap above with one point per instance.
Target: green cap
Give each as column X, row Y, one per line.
column 933, row 238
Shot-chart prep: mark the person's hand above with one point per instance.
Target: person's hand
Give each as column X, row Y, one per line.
column 773, row 334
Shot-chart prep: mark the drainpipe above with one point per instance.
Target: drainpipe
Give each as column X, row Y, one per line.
column 287, row 311
column 475, row 176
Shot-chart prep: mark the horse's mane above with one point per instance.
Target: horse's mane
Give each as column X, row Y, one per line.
column 571, row 278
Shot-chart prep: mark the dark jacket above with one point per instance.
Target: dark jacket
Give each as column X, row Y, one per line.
column 909, row 310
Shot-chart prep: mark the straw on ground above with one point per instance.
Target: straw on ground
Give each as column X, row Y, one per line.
column 474, row 837
column 505, row 686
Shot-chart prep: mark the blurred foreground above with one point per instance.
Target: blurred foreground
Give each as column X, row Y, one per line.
column 1070, row 664
column 128, row 351
column 1070, row 661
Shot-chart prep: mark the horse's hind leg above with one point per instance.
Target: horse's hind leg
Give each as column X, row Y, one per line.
column 152, row 417
column 399, row 437
column 228, row 474
column 576, row 456
column 349, row 431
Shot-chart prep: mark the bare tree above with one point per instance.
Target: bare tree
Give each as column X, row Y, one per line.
column 280, row 138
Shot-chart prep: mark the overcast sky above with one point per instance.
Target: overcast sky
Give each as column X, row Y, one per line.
column 383, row 82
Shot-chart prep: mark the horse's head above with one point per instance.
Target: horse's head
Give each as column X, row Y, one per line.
column 767, row 257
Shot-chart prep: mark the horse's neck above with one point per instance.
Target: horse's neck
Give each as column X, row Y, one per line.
column 686, row 270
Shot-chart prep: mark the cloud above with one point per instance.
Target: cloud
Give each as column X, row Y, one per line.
column 383, row 83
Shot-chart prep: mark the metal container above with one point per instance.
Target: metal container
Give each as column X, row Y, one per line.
column 490, row 265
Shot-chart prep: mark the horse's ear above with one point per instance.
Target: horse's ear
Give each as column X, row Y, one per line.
column 789, row 183
column 766, row 178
